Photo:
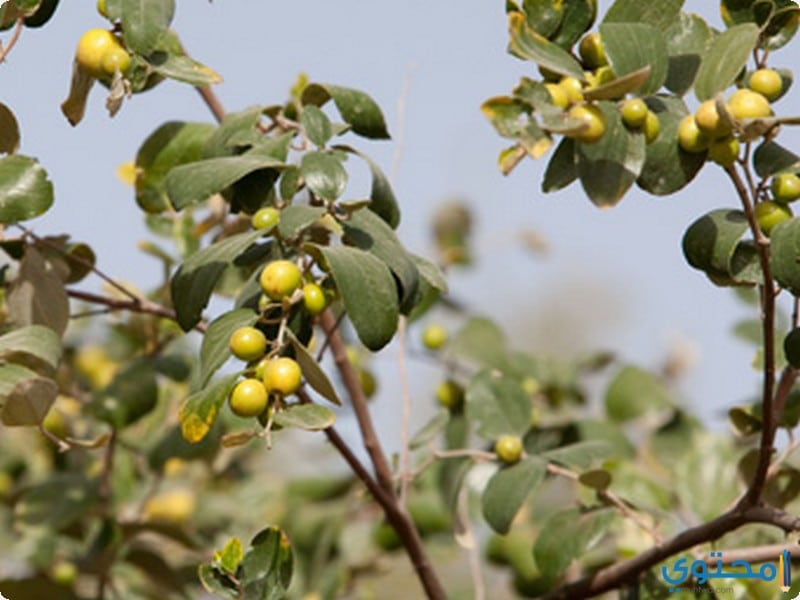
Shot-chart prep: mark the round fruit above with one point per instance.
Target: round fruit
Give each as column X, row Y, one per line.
column 175, row 506
column 709, row 120
column 368, row 383
column 314, row 298
column 282, row 375
column 724, row 151
column 248, row 343
column 785, row 187
column 508, row 448
column 64, row 572
column 747, row 104
column 265, row 218
column 248, row 398
column 766, row 82
column 573, row 88
column 592, row 52
column 595, row 122
column 450, row 394
column 769, row 214
column 652, row 127
column 100, row 53
column 558, row 95
column 280, row 279
column 434, row 336
column 634, row 112
column 690, row 137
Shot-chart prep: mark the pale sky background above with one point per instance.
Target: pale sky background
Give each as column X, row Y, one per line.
column 613, row 279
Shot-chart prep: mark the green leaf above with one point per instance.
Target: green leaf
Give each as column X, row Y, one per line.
column 199, row 411
column 782, row 25
column 687, row 41
column 707, row 455
column 660, row 14
column 9, row 131
column 311, row 417
column 507, row 490
column 266, row 569
column 196, row 278
column 579, row 15
column 596, row 479
column 357, row 109
column 568, row 535
column 316, row 125
column 144, row 23
column 734, row 12
column 216, row 582
column 770, row 158
column 367, row 231
column 198, row 181
column 481, row 343
column 44, row 11
column 609, row 167
column 561, row 170
column 430, row 430
column 234, row 126
column 323, row 174
column 581, row 455
column 229, row 558
column 498, row 405
column 25, row 191
column 296, row 218
column 784, row 250
column 724, row 60
column 530, row 45
column 710, row 243
column 368, row 291
column 634, row 392
column 172, row 144
column 37, row 296
column 132, row 394
column 543, row 16
column 35, row 340
column 26, row 396
column 313, row 372
column 215, row 349
column 791, row 347
column 183, row 68
column 384, row 204
column 58, row 502
column 667, row 168
column 634, row 46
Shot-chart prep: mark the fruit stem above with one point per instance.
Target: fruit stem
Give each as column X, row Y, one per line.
column 4, row 50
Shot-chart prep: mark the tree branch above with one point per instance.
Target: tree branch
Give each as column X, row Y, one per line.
column 626, row 572
column 4, row 50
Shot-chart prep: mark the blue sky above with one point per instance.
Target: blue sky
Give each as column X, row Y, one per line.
column 612, row 279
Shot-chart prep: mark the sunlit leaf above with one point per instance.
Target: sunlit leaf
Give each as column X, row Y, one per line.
column 199, row 411
column 507, row 490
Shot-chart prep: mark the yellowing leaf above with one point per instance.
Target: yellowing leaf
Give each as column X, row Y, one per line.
column 127, row 172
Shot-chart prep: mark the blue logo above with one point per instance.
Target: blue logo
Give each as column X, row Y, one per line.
column 700, row 571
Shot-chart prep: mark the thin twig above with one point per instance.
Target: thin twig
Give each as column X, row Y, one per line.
column 4, row 50
column 212, row 101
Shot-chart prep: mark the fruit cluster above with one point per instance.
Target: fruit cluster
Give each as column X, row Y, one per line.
column 569, row 94
column 269, row 375
column 101, row 54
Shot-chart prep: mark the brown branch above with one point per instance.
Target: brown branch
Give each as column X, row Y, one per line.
column 756, row 486
column 757, row 554
column 211, row 100
column 138, row 305
column 627, row 571
column 4, row 50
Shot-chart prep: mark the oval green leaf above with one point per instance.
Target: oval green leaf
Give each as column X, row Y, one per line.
column 785, row 248
column 508, row 489
column 631, row 47
column 725, row 59
column 9, row 131
column 144, row 23
column 25, row 191
column 311, row 417
column 497, row 405
column 529, row 45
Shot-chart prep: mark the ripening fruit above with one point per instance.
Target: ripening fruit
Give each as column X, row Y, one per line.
column 595, row 122
column 248, row 343
column 573, row 89
column 450, row 394
column 265, row 218
column 508, row 448
column 709, row 121
column 64, row 572
column 747, row 104
column 280, row 279
column 724, row 151
column 283, row 376
column 766, row 82
column 601, row 76
column 175, row 506
column 591, row 49
column 634, row 112
column 652, row 127
column 314, row 298
column 434, row 336
column 690, row 137
column 248, row 398
column 558, row 95
column 785, row 187
column 100, row 53
column 769, row 214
